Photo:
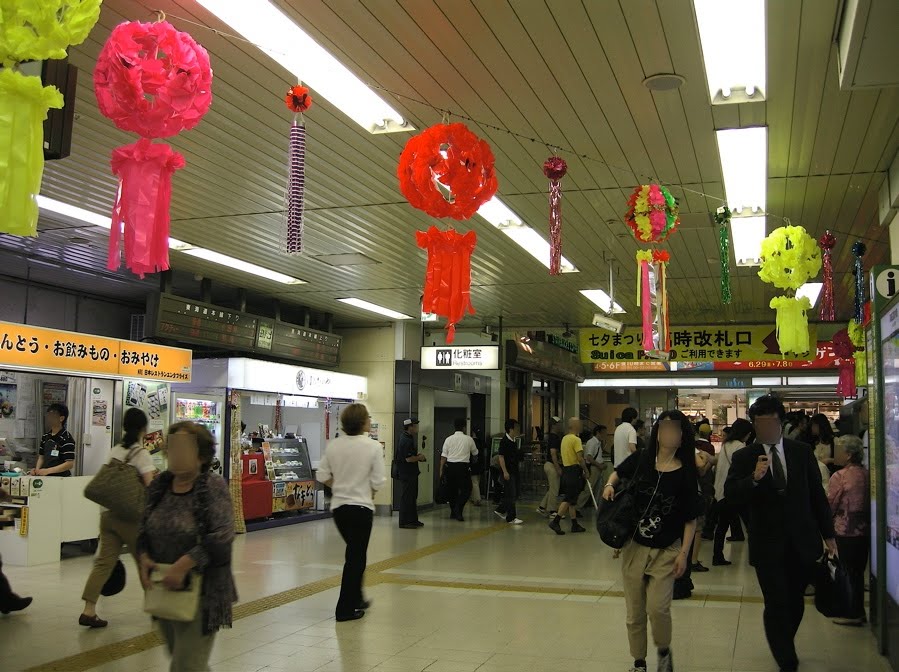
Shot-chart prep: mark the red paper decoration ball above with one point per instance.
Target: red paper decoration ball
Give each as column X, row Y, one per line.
column 152, row 79
column 298, row 99
column 456, row 158
column 555, row 167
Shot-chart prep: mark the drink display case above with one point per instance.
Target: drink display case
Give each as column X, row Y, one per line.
column 207, row 411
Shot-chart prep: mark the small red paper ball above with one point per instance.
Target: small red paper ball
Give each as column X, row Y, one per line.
column 298, row 99
column 456, row 158
column 555, row 167
column 827, row 241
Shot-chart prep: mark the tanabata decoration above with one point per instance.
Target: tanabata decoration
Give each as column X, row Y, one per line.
column 555, row 168
column 790, row 258
column 845, row 351
column 827, row 242
column 155, row 81
column 298, row 101
column 451, row 157
column 722, row 219
column 448, row 276
column 31, row 30
column 857, row 338
column 858, row 251
column 653, row 213
column 652, row 298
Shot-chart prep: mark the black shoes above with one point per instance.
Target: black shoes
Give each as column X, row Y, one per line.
column 721, row 562
column 576, row 527
column 418, row 523
column 15, row 603
column 736, row 539
column 365, row 604
column 555, row 526
column 699, row 567
column 92, row 621
column 410, row 526
column 355, row 616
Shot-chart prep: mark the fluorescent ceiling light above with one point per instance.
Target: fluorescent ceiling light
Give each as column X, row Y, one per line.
column 748, row 233
column 732, row 35
column 241, row 265
column 602, row 300
column 498, row 213
column 812, row 381
column 375, row 308
column 766, row 381
column 649, row 382
column 88, row 217
column 744, row 164
column 266, row 26
column 812, row 290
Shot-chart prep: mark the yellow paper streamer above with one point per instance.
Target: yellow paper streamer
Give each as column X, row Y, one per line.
column 790, row 258
column 36, row 30
column 792, row 323
column 24, row 103
column 642, row 255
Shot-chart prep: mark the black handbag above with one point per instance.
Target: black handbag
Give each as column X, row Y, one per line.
column 115, row 584
column 616, row 520
column 833, row 589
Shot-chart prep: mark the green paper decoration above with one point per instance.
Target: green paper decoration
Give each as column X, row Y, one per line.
column 722, row 219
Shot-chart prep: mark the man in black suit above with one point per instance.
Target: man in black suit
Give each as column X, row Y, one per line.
column 777, row 480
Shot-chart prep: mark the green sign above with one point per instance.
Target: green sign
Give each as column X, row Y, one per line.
column 563, row 343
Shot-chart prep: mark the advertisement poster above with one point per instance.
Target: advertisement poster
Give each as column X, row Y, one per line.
column 153, row 399
column 8, row 396
column 99, row 412
column 299, row 495
column 53, row 393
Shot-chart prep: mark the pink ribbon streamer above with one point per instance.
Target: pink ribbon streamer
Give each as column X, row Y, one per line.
column 646, row 306
column 827, row 312
column 142, row 204
column 555, row 227
column 846, row 384
column 296, row 188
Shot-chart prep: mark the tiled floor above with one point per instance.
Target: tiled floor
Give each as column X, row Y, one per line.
column 517, row 599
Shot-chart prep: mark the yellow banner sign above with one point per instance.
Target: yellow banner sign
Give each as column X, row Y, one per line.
column 729, row 343
column 24, row 346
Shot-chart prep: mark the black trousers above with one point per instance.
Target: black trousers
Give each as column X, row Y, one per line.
column 854, row 556
column 354, row 524
column 408, row 500
column 783, row 584
column 510, row 494
column 458, row 481
column 6, row 593
column 727, row 518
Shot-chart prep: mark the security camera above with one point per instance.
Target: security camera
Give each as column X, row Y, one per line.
column 608, row 323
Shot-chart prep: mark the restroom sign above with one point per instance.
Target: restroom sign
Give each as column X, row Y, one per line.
column 462, row 358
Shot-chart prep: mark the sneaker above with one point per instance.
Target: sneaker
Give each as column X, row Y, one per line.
column 517, row 521
column 541, row 510
column 555, row 526
column 499, row 515
column 576, row 527
column 699, row 567
column 666, row 662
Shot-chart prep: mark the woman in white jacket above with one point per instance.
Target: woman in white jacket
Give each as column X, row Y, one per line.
column 738, row 437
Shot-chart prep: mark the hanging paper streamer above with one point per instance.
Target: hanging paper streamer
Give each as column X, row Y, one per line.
column 448, row 275
column 555, row 168
column 298, row 101
column 857, row 338
column 858, row 251
column 24, row 103
column 452, row 157
column 653, row 214
column 31, row 30
column 155, row 81
column 652, row 298
column 827, row 242
column 789, row 259
column 722, row 219
column 142, row 204
column 845, row 351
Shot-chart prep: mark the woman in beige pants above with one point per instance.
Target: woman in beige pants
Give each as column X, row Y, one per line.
column 114, row 532
column 666, row 486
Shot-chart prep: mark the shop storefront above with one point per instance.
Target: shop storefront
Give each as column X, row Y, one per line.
column 97, row 379
column 289, row 411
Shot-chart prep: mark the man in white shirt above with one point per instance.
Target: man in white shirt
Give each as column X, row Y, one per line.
column 596, row 463
column 455, row 459
column 625, row 439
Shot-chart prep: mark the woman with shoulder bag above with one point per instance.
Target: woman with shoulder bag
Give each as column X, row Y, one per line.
column 185, row 549
column 116, row 532
column 665, row 487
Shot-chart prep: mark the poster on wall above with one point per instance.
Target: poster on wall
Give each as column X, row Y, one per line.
column 99, row 412
column 153, row 399
column 8, row 401
column 53, row 393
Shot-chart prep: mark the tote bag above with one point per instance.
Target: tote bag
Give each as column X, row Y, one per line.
column 118, row 487
column 173, row 605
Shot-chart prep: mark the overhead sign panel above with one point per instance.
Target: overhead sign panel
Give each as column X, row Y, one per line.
column 476, row 358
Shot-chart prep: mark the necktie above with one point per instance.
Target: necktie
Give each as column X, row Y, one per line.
column 777, row 471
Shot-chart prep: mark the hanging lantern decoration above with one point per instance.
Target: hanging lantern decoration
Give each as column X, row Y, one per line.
column 845, row 351
column 653, row 213
column 827, row 242
column 652, row 298
column 298, row 101
column 153, row 80
column 448, row 276
column 790, row 258
column 34, row 30
column 858, row 251
column 722, row 219
column 555, row 168
column 447, row 158
column 857, row 338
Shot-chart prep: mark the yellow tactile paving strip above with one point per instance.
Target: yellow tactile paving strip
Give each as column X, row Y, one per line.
column 128, row 647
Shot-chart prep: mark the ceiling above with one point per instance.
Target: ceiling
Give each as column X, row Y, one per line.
column 567, row 73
